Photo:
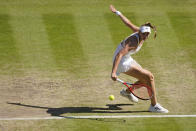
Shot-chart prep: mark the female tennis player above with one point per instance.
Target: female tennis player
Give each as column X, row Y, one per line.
column 124, row 63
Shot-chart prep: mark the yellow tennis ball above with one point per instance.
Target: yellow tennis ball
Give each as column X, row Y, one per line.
column 111, row 97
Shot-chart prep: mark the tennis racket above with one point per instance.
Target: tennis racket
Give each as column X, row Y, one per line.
column 141, row 91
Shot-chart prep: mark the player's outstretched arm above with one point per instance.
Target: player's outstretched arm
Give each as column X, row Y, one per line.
column 124, row 19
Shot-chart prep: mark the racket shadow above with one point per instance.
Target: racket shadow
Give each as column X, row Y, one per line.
column 111, row 108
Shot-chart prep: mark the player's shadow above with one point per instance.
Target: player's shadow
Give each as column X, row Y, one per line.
column 111, row 108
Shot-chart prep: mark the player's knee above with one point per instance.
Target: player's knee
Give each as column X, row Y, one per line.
column 150, row 76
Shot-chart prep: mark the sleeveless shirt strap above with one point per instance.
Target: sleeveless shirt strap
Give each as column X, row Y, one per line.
column 138, row 40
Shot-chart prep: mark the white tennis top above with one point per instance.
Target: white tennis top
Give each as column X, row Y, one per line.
column 131, row 52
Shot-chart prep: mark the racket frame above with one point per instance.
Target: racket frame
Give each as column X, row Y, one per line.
column 130, row 86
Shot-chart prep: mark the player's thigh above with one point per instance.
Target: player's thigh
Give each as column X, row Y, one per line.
column 140, row 73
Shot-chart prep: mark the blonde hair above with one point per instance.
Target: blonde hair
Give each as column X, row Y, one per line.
column 151, row 26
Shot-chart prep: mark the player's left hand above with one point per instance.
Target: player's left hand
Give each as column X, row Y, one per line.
column 113, row 9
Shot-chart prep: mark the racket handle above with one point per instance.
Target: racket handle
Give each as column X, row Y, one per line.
column 119, row 80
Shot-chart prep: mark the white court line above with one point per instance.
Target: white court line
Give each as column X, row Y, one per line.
column 87, row 117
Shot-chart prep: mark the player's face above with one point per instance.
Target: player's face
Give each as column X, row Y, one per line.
column 145, row 35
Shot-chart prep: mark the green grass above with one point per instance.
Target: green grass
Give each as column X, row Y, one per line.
column 57, row 55
column 9, row 54
column 184, row 29
column 66, row 47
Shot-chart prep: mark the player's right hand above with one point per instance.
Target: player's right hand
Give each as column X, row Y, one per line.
column 113, row 76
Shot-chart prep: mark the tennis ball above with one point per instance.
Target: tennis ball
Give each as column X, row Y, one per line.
column 111, row 97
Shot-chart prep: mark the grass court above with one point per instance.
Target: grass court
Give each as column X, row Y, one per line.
column 56, row 60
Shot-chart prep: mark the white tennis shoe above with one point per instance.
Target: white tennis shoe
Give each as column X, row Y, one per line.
column 130, row 96
column 158, row 109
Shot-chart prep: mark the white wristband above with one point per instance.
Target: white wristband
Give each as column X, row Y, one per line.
column 118, row 13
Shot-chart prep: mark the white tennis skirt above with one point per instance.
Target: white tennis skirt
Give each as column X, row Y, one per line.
column 126, row 64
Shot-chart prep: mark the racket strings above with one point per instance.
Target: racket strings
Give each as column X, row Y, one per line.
column 141, row 91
